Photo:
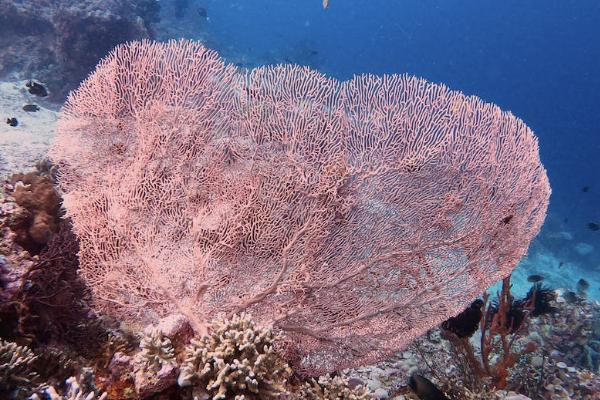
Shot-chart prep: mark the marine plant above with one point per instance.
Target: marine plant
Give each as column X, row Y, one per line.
column 349, row 216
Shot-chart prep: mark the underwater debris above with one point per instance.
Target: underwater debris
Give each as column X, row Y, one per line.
column 582, row 288
column 12, row 121
column 332, row 387
column 592, row 226
column 235, row 359
column 31, row 108
column 535, row 278
column 36, row 89
column 425, row 389
column 466, row 323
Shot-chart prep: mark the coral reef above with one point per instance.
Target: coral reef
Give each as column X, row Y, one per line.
column 283, row 193
column 17, row 375
column 40, row 216
column 572, row 334
column 155, row 366
column 59, row 42
column 327, row 387
column 236, row 360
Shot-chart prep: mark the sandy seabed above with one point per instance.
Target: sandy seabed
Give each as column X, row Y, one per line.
column 21, row 146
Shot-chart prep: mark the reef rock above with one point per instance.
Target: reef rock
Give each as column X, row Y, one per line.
column 59, row 42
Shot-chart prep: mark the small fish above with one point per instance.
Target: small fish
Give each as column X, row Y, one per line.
column 582, row 283
column 36, row 89
column 535, row 278
column 592, row 226
column 582, row 288
column 570, row 297
column 12, row 121
column 561, row 264
column 425, row 389
column 585, row 189
column 325, row 4
column 31, row 108
column 202, row 12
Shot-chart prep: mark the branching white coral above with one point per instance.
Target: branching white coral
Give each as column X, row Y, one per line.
column 74, row 392
column 327, row 388
column 16, row 367
column 156, row 351
column 236, row 361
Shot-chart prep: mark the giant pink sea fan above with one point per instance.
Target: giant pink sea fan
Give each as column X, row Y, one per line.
column 352, row 216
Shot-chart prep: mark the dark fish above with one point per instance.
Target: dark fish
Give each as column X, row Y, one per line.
column 561, row 264
column 582, row 288
column 424, row 389
column 37, row 89
column 31, row 108
column 585, row 189
column 570, row 297
column 535, row 278
column 592, row 226
column 12, row 121
column 583, row 284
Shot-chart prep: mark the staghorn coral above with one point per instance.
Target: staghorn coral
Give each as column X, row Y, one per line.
column 17, row 375
column 236, row 360
column 350, row 216
column 327, row 387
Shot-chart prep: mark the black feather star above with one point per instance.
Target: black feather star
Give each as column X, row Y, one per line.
column 465, row 324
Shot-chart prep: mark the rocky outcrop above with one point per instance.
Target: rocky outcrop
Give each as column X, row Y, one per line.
column 59, row 42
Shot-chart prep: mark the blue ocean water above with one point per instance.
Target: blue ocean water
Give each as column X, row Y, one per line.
column 539, row 59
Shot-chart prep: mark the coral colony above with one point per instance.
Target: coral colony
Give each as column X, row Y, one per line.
column 253, row 234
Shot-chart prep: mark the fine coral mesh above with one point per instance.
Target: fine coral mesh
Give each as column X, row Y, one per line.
column 352, row 216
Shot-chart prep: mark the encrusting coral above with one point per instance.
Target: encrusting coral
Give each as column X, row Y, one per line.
column 236, row 360
column 327, row 387
column 41, row 203
column 17, row 375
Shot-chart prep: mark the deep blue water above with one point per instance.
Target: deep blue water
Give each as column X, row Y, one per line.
column 539, row 59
